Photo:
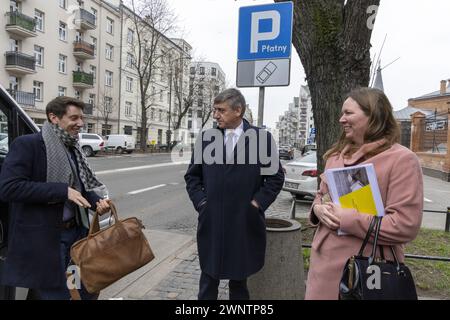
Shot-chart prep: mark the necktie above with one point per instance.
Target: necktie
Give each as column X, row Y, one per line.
column 229, row 144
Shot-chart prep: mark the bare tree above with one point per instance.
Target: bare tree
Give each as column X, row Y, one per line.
column 332, row 38
column 152, row 20
column 105, row 107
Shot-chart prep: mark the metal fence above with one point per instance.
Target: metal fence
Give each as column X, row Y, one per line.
column 434, row 129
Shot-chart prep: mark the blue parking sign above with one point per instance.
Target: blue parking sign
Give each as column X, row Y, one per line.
column 265, row 31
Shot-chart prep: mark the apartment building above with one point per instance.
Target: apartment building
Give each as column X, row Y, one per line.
column 307, row 133
column 84, row 49
column 207, row 80
column 67, row 48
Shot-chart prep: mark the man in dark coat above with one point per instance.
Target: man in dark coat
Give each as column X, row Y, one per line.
column 49, row 185
column 230, row 189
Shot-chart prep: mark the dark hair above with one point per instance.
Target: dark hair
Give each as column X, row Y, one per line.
column 58, row 106
column 233, row 97
column 381, row 122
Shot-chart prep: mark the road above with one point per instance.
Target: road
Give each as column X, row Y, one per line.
column 156, row 194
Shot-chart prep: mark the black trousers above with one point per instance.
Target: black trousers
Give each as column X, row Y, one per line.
column 209, row 288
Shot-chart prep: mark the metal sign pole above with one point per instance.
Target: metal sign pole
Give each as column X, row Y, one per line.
column 261, row 107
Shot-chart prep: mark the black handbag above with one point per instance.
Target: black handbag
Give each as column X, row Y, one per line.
column 367, row 278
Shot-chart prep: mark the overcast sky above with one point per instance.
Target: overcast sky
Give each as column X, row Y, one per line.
column 417, row 31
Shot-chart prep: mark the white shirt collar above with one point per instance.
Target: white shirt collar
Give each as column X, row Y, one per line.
column 237, row 131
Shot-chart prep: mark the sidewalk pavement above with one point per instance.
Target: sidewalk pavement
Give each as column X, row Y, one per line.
column 175, row 272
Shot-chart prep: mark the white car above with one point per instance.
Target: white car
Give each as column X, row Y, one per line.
column 90, row 143
column 120, row 143
column 301, row 176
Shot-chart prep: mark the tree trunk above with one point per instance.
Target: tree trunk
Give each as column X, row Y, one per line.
column 333, row 42
column 143, row 128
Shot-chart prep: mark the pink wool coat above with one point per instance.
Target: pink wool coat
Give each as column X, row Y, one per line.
column 400, row 181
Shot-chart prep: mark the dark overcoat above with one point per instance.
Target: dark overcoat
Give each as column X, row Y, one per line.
column 231, row 233
column 35, row 212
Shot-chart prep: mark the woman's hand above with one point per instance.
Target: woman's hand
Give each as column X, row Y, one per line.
column 328, row 215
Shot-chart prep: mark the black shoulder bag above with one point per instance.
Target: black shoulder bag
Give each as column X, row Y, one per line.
column 367, row 278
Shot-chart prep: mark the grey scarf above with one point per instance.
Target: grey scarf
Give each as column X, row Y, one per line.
column 58, row 165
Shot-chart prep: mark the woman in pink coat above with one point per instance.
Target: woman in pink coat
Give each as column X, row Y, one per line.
column 370, row 135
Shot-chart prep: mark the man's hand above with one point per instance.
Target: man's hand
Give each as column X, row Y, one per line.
column 103, row 206
column 77, row 198
column 255, row 204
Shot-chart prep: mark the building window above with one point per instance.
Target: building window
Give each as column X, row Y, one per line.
column 39, row 55
column 108, row 104
column 108, row 78
column 63, row 4
column 14, row 45
column 161, row 96
column 109, row 50
column 200, row 103
column 129, row 84
column 106, row 129
column 79, row 66
column 152, row 114
column 94, row 72
column 38, row 88
column 94, row 12
column 202, row 71
column 94, row 43
column 128, row 107
column 200, row 89
column 192, row 70
column 213, row 72
column 39, row 18
column 77, row 94
column 90, row 127
column 130, row 60
column 109, row 25
column 62, row 31
column 62, row 91
column 190, row 113
column 189, row 124
column 91, row 99
column 160, row 116
column 62, row 63
column 130, row 36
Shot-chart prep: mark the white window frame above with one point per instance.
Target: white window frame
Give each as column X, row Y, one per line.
column 62, row 64
column 39, row 56
column 94, row 72
column 94, row 43
column 129, row 84
column 130, row 36
column 109, row 52
column 63, row 4
column 62, row 90
column 109, row 25
column 38, row 90
column 108, row 78
column 91, row 99
column 108, row 104
column 128, row 108
column 39, row 16
column 130, row 60
column 62, row 31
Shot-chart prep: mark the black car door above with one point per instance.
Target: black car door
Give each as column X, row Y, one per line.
column 13, row 123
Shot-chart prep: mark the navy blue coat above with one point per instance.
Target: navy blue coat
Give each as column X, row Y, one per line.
column 36, row 210
column 231, row 233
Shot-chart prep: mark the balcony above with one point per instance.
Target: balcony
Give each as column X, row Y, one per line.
column 19, row 63
column 83, row 50
column 83, row 80
column 23, row 98
column 88, row 109
column 20, row 25
column 84, row 20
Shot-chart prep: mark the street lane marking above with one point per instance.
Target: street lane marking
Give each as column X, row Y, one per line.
column 427, row 200
column 151, row 166
column 146, row 189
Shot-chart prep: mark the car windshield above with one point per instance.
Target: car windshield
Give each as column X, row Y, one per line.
column 309, row 157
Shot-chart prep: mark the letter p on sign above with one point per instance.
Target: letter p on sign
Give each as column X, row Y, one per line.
column 256, row 36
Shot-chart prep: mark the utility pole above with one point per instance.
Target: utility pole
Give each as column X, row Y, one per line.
column 169, row 133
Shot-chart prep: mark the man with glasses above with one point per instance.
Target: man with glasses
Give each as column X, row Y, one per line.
column 231, row 194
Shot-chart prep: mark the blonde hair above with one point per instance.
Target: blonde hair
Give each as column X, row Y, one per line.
column 381, row 123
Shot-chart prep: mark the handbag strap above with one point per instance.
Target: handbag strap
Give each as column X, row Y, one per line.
column 95, row 226
column 366, row 239
column 375, row 240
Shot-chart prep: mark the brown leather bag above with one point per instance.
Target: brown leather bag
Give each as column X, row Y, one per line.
column 105, row 256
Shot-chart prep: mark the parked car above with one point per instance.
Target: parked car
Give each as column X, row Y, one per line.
column 120, row 143
column 307, row 148
column 301, row 176
column 90, row 143
column 286, row 152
